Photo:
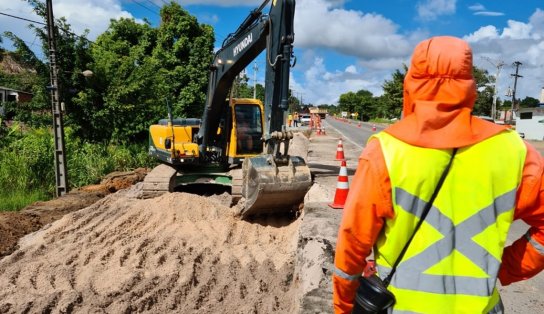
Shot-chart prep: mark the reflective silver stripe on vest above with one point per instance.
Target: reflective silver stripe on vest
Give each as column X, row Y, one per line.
column 340, row 273
column 384, row 271
column 538, row 247
column 410, row 275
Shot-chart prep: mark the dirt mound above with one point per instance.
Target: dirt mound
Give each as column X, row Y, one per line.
column 14, row 225
column 176, row 253
column 179, row 252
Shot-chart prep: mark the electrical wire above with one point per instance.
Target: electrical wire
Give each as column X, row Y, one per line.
column 143, row 6
column 153, row 3
column 22, row 18
column 41, row 23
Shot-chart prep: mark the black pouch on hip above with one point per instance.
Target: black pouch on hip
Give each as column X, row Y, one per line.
column 372, row 296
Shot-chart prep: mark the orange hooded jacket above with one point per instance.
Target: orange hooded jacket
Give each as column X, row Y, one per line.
column 439, row 94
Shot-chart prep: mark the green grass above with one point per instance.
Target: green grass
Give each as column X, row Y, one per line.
column 19, row 199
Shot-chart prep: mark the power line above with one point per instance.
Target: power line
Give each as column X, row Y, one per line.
column 153, row 3
column 22, row 18
column 143, row 6
column 41, row 23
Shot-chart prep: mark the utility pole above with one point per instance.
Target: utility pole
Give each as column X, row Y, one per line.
column 61, row 174
column 498, row 65
column 516, row 64
column 255, row 69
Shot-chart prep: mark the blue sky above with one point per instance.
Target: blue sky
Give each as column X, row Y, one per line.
column 348, row 45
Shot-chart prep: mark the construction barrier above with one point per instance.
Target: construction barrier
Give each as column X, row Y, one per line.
column 342, row 188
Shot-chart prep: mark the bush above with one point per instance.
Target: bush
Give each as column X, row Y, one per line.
column 27, row 164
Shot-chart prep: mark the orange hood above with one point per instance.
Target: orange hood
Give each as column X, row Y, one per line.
column 439, row 94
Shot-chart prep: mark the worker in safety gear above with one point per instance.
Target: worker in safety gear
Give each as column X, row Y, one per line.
column 452, row 264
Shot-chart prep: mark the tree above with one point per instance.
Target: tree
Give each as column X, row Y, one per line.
column 348, row 102
column 391, row 100
column 72, row 56
column 484, row 87
column 529, row 102
column 240, row 87
column 139, row 69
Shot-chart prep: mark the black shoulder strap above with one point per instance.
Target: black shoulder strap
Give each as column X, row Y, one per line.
column 423, row 215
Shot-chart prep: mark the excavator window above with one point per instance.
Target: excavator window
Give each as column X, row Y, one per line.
column 249, row 129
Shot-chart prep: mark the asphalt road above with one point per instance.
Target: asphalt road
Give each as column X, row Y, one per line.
column 521, row 297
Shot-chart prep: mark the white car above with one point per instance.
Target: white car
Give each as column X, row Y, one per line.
column 305, row 119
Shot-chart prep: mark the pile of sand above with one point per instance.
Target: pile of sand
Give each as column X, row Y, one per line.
column 176, row 253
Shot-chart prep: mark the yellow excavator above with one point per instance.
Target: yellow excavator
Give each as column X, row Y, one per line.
column 240, row 143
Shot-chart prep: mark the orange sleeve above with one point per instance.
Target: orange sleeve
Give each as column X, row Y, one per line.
column 367, row 205
column 525, row 257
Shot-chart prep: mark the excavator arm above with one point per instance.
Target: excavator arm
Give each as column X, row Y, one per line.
column 273, row 182
column 259, row 32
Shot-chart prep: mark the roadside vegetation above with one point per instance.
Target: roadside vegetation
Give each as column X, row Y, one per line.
column 27, row 173
column 137, row 69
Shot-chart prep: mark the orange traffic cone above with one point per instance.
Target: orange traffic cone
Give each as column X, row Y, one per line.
column 342, row 188
column 340, row 151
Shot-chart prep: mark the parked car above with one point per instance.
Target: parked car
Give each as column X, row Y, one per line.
column 305, row 119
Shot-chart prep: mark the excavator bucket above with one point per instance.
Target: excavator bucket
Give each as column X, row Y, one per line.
column 270, row 189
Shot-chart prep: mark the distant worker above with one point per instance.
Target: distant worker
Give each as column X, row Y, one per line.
column 457, row 254
column 289, row 120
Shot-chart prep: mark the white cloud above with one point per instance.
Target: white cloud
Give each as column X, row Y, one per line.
column 517, row 30
column 486, row 32
column 208, row 18
column 353, row 33
column 19, row 27
column 432, row 9
column 371, row 40
column 233, row 3
column 488, row 13
column 518, row 41
column 537, row 20
column 351, row 69
column 476, row 7
column 481, row 10
column 94, row 15
column 324, row 87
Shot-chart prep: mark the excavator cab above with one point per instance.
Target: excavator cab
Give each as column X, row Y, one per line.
column 246, row 138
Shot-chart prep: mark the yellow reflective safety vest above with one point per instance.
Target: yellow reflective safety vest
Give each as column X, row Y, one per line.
column 451, row 266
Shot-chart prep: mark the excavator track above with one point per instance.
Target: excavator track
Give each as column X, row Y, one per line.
column 237, row 183
column 159, row 181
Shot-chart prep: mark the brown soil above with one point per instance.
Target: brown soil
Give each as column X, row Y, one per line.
column 178, row 253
